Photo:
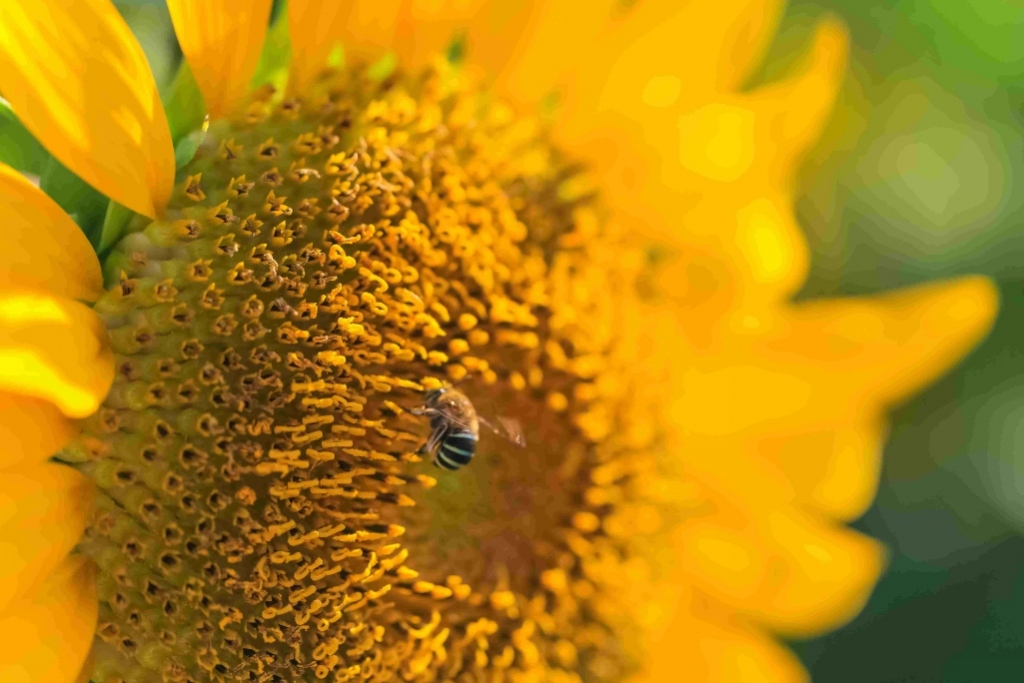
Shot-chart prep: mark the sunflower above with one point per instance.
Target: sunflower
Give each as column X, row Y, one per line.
column 213, row 465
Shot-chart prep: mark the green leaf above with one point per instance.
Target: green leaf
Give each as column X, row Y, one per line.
column 114, row 223
column 86, row 206
column 18, row 149
column 183, row 103
column 276, row 54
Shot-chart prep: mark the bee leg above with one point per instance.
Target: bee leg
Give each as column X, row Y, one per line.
column 432, row 443
column 423, row 410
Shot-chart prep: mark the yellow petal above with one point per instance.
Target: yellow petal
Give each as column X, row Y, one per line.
column 367, row 29
column 823, row 364
column 761, row 137
column 889, row 347
column 803, row 579
column 822, row 577
column 54, row 349
column 658, row 43
column 80, row 83
column 746, row 38
column 31, row 430
column 661, row 39
column 315, row 27
column 768, row 560
column 222, row 41
column 427, row 27
column 749, row 226
column 88, row 667
column 44, row 508
column 796, row 110
column 47, row 636
column 538, row 52
column 722, row 560
column 834, row 472
column 699, row 647
column 677, row 158
column 40, row 246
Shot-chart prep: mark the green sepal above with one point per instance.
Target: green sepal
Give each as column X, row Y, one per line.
column 186, row 148
column 336, row 58
column 183, row 103
column 383, row 67
column 277, row 9
column 456, row 51
column 114, row 224
column 276, row 55
column 549, row 104
column 18, row 148
column 86, row 205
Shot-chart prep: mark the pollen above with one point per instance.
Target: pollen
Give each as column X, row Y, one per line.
column 264, row 511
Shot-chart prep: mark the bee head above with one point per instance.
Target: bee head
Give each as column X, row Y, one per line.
column 434, row 395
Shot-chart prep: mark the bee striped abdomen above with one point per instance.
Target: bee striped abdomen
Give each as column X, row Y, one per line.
column 456, row 449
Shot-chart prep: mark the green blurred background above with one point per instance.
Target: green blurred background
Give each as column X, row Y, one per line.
column 914, row 180
column 926, row 185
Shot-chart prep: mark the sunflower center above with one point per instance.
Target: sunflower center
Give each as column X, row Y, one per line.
column 264, row 511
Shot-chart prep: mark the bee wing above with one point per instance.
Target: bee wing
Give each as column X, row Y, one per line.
column 507, row 428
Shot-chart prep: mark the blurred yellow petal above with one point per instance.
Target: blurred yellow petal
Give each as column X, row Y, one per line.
column 427, row 27
column 222, row 41
column 417, row 30
column 745, row 39
column 761, row 137
column 833, row 472
column 54, row 349
column 367, row 29
column 538, row 54
column 315, row 27
column 891, row 346
column 758, row 236
column 44, row 508
column 762, row 557
column 748, row 551
column 87, row 669
column 821, row 578
column 96, row 110
column 663, row 39
column 40, row 246
column 796, row 110
column 724, row 560
column 694, row 648
column 31, row 430
column 47, row 636
column 711, row 171
column 824, row 363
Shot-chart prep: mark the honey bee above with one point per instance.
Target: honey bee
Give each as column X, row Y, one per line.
column 456, row 427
